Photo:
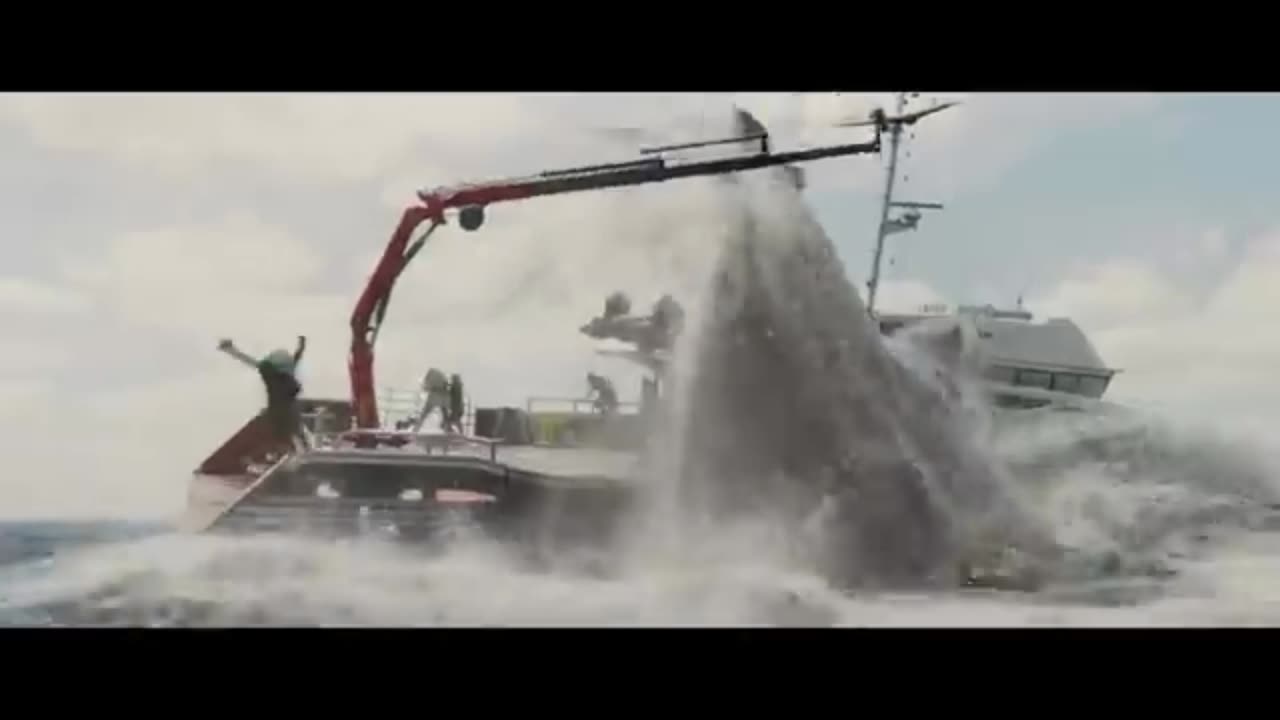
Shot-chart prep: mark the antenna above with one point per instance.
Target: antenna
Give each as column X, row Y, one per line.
column 910, row 219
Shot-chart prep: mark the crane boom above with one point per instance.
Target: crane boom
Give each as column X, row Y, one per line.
column 471, row 200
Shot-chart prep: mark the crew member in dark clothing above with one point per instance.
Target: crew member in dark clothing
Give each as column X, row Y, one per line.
column 457, row 405
column 436, row 385
column 278, row 371
column 668, row 321
column 606, row 398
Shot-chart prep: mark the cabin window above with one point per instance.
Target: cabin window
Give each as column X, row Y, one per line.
column 1093, row 385
column 1001, row 374
column 1066, row 382
column 1034, row 378
column 1013, row 402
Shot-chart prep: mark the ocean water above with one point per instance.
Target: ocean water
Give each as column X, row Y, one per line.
column 1164, row 525
column 1160, row 541
column 1158, row 523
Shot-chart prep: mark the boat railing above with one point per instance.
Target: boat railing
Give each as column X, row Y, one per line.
column 572, row 406
column 398, row 404
column 429, row 442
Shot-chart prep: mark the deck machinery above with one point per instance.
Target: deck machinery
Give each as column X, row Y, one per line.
column 509, row 473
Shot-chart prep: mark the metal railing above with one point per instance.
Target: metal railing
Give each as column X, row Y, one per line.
column 576, row 406
column 398, row 404
column 428, row 442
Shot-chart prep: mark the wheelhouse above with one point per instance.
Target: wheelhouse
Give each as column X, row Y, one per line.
column 1027, row 364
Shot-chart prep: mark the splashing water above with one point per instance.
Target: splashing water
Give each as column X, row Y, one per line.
column 811, row 471
column 1157, row 541
column 799, row 413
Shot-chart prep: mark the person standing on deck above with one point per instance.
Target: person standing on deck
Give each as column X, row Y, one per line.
column 278, row 371
column 457, row 403
column 436, row 385
column 601, row 390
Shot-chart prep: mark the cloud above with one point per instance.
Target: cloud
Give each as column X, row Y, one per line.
column 956, row 152
column 260, row 217
column 905, row 296
column 195, row 276
column 500, row 306
column 970, row 148
column 345, row 137
column 1210, row 355
column 1192, row 346
column 24, row 357
column 19, row 400
column 19, row 296
column 1116, row 294
column 421, row 139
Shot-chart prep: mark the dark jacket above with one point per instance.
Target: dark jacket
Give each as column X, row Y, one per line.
column 282, row 388
column 282, row 413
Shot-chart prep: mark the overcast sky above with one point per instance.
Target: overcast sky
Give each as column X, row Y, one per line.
column 141, row 229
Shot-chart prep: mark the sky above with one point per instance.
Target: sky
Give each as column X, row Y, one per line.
column 141, row 229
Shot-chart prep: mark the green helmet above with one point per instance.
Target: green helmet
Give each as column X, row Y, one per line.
column 281, row 360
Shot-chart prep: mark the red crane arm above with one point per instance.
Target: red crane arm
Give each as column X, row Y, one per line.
column 371, row 308
column 372, row 305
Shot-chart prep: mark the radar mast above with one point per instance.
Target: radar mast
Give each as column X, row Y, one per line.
column 910, row 218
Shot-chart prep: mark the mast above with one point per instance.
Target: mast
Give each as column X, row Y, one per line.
column 895, row 138
column 911, row 218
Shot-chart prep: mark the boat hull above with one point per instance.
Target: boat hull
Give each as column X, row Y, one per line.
column 536, row 498
column 209, row 496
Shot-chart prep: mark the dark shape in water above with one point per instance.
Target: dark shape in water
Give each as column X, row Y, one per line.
column 798, row 412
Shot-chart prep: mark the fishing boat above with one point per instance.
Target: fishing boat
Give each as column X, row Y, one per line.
column 551, row 471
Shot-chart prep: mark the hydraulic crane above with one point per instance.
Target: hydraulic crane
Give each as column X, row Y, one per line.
column 470, row 201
